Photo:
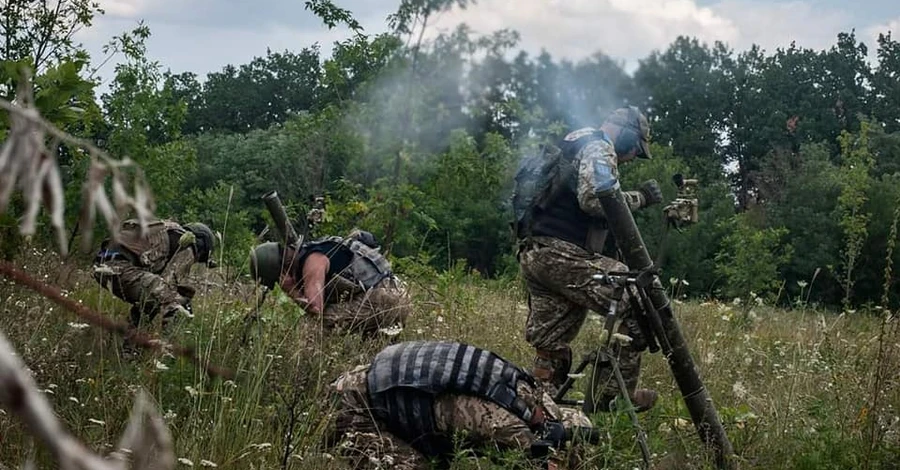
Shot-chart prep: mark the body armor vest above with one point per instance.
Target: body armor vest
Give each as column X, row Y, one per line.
column 561, row 216
column 152, row 250
column 405, row 378
column 368, row 266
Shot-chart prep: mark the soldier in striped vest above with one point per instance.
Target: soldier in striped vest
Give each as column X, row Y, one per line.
column 408, row 405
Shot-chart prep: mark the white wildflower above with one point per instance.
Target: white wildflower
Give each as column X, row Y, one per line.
column 802, row 284
column 739, row 390
column 191, row 390
column 97, row 422
column 74, row 400
column 78, row 326
column 391, row 330
column 207, row 463
column 185, row 461
column 161, row 366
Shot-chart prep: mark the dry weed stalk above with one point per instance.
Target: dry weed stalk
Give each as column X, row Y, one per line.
column 28, row 162
column 145, row 445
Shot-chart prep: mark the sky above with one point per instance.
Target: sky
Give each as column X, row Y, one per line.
column 202, row 36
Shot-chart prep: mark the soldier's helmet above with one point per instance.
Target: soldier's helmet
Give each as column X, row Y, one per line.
column 636, row 128
column 265, row 263
column 206, row 241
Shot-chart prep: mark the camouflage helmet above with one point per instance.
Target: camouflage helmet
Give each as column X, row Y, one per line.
column 265, row 264
column 634, row 121
column 206, row 241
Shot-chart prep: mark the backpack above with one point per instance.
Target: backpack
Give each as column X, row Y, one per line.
column 539, row 178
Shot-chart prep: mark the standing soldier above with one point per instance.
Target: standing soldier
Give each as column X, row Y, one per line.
column 409, row 404
column 561, row 231
column 150, row 270
column 345, row 280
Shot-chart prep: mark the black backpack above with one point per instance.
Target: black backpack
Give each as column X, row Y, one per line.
column 539, row 177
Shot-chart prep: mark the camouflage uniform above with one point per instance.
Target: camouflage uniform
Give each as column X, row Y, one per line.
column 147, row 272
column 558, row 261
column 361, row 292
column 367, row 310
column 363, row 439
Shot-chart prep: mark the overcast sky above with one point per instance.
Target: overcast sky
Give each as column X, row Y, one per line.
column 204, row 35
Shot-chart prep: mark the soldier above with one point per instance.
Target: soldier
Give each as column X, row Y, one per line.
column 347, row 281
column 414, row 399
column 150, row 271
column 561, row 231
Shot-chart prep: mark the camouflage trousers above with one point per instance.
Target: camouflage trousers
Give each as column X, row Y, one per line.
column 481, row 423
column 148, row 293
column 383, row 306
column 561, row 290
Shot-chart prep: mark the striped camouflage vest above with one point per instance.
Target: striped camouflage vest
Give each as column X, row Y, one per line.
column 405, row 378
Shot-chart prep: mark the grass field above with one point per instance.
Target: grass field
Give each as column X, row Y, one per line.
column 795, row 388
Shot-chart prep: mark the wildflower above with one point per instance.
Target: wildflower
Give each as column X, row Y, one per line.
column 185, row 461
column 736, row 301
column 673, row 280
column 802, row 284
column 191, row 390
column 391, row 330
column 230, row 383
column 207, row 463
column 161, row 366
column 97, row 422
column 73, row 400
column 739, row 390
column 684, row 282
column 682, row 423
column 78, row 326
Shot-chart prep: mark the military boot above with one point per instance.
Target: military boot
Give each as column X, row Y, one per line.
column 552, row 367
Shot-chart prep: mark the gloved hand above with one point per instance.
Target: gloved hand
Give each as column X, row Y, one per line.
column 187, row 239
column 652, row 192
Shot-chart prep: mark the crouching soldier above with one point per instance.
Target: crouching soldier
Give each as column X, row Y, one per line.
column 417, row 401
column 150, row 270
column 345, row 281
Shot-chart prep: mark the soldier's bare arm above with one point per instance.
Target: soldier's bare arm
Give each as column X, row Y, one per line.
column 314, row 271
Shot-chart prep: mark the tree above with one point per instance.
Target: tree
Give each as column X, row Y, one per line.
column 144, row 123
column 43, row 32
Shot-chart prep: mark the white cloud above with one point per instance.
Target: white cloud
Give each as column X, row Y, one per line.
column 774, row 25
column 125, row 8
column 578, row 28
column 630, row 29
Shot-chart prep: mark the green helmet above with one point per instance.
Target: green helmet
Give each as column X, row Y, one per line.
column 206, row 241
column 265, row 263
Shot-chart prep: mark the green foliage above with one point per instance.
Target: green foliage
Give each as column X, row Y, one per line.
column 216, row 207
column 856, row 163
column 44, row 32
column 750, row 258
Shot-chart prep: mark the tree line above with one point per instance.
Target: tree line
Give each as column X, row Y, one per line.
column 797, row 150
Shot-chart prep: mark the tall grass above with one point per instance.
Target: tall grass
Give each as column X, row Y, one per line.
column 792, row 387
